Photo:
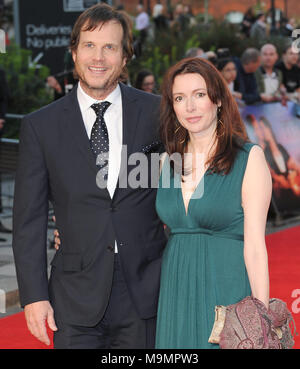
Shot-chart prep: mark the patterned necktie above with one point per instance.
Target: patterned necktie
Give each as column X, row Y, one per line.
column 99, row 140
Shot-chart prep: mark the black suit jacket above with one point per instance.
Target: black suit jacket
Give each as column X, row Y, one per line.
column 56, row 164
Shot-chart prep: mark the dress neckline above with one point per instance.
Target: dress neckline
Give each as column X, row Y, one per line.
column 186, row 209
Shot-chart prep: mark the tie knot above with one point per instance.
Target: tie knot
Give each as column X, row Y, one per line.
column 100, row 108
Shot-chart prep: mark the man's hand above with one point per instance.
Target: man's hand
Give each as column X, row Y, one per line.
column 36, row 314
column 267, row 98
column 52, row 82
column 237, row 95
column 2, row 121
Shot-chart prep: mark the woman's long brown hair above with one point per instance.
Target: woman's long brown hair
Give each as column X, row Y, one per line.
column 230, row 135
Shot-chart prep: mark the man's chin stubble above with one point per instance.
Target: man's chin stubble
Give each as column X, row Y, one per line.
column 106, row 86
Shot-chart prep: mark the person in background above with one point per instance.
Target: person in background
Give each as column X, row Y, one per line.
column 194, row 52
column 63, row 82
column 287, row 27
column 268, row 77
column 246, row 82
column 159, row 19
column 181, row 21
column 157, row 9
column 142, row 22
column 248, row 20
column 145, row 81
column 211, row 56
column 58, row 87
column 290, row 72
column 228, row 70
column 259, row 28
column 188, row 12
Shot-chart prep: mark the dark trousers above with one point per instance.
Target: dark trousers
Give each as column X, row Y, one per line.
column 120, row 327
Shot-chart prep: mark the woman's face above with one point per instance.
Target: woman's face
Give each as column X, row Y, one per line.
column 192, row 105
column 148, row 84
column 229, row 72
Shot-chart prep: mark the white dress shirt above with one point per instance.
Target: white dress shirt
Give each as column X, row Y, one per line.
column 114, row 123
column 142, row 21
column 271, row 83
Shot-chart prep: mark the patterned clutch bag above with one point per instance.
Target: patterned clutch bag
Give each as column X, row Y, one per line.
column 249, row 325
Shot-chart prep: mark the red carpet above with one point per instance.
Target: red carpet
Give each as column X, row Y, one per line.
column 284, row 267
column 15, row 335
column 284, row 263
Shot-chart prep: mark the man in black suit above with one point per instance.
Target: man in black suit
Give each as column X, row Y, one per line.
column 104, row 282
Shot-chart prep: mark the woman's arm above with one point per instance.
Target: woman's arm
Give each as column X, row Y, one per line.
column 256, row 197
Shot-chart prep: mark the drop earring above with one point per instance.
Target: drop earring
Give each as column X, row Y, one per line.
column 220, row 122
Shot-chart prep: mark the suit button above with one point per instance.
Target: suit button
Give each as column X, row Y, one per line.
column 112, row 208
column 110, row 248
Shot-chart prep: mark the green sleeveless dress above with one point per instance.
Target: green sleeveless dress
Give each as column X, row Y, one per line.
column 203, row 263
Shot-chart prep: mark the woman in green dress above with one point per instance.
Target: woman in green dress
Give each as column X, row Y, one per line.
column 214, row 194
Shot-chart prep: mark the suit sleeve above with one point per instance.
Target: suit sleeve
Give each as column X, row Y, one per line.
column 30, row 218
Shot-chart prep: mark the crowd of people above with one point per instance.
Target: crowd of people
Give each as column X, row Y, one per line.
column 257, row 76
column 256, row 25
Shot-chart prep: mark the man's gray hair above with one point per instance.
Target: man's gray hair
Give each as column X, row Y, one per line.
column 268, row 46
column 193, row 52
column 250, row 55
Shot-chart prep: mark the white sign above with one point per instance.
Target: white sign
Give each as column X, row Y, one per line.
column 78, row 5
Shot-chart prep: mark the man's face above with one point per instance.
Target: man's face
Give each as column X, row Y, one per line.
column 291, row 57
column 253, row 66
column 269, row 57
column 99, row 59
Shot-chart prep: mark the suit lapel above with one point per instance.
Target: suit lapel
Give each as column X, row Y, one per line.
column 76, row 128
column 130, row 114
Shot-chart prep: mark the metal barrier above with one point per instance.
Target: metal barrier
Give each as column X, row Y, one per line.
column 14, row 116
column 9, row 151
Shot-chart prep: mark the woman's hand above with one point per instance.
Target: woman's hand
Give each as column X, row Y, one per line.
column 56, row 236
column 56, row 239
